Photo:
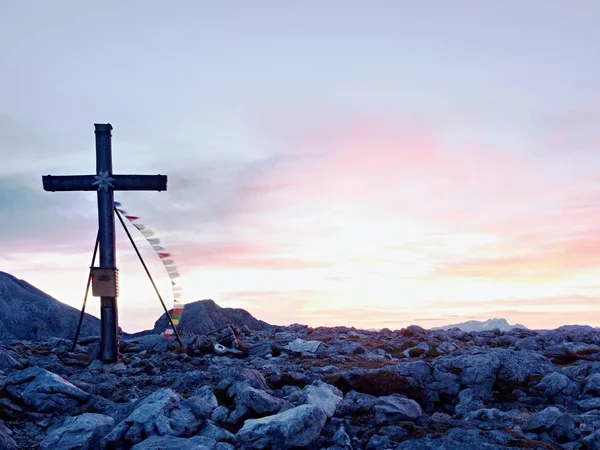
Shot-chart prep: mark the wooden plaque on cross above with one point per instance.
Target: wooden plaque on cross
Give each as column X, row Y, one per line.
column 105, row 183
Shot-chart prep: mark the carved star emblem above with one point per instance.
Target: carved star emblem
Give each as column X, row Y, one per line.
column 104, row 181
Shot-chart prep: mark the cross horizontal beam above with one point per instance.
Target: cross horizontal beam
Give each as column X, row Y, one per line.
column 56, row 183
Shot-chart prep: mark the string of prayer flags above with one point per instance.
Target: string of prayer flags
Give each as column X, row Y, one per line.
column 167, row 259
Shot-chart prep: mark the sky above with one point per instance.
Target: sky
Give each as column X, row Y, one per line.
column 370, row 164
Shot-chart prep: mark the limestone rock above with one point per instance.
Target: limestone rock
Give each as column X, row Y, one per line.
column 592, row 385
column 559, row 388
column 559, row 425
column 592, row 441
column 481, row 370
column 210, row 430
column 306, row 348
column 156, row 343
column 342, row 440
column 8, row 362
column 296, row 427
column 467, row 402
column 82, row 432
column 479, row 390
column 162, row 413
column 356, row 403
column 395, row 408
column 252, row 400
column 176, row 443
column 44, row 391
column 323, row 395
column 229, row 375
column 495, row 419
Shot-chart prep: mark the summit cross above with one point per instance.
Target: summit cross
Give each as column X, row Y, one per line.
column 105, row 183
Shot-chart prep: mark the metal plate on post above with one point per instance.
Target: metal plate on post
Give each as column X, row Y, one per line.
column 105, row 282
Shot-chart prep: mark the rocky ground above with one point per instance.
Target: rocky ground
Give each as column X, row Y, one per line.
column 297, row 387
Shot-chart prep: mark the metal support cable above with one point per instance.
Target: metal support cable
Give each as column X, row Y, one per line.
column 87, row 290
column 118, row 214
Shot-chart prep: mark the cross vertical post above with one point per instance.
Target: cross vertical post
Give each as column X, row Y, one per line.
column 105, row 183
column 109, row 317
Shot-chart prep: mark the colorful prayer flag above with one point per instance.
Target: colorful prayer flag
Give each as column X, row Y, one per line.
column 169, row 264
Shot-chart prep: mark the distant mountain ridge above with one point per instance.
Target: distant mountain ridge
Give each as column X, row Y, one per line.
column 27, row 313
column 205, row 316
column 476, row 325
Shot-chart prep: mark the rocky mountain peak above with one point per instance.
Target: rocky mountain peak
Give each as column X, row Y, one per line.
column 476, row 325
column 28, row 313
column 205, row 316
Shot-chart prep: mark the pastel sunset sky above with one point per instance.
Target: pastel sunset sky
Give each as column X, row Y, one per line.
column 371, row 164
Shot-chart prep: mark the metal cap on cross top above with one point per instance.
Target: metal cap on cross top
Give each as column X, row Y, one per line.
column 105, row 183
column 102, row 128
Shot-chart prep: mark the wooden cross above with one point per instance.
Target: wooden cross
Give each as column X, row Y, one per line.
column 105, row 183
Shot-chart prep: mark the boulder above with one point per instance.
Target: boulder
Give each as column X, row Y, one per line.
column 175, row 443
column 592, row 441
column 82, row 432
column 482, row 370
column 210, row 430
column 347, row 348
column 252, row 401
column 44, row 391
column 323, row 395
column 189, row 381
column 592, row 385
column 201, row 406
column 559, row 389
column 589, row 404
column 356, row 403
column 378, row 442
column 495, row 419
column 162, row 413
column 8, row 362
column 467, row 402
column 296, row 427
column 262, row 349
column 559, row 425
column 396, row 408
column 341, row 439
column 306, row 348
column 229, row 375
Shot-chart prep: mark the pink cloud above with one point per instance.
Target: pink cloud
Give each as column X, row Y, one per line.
column 575, row 130
column 398, row 167
column 240, row 255
column 69, row 239
column 541, row 261
column 541, row 302
column 267, row 263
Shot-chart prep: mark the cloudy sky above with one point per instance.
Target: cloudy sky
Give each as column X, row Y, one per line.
column 341, row 162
